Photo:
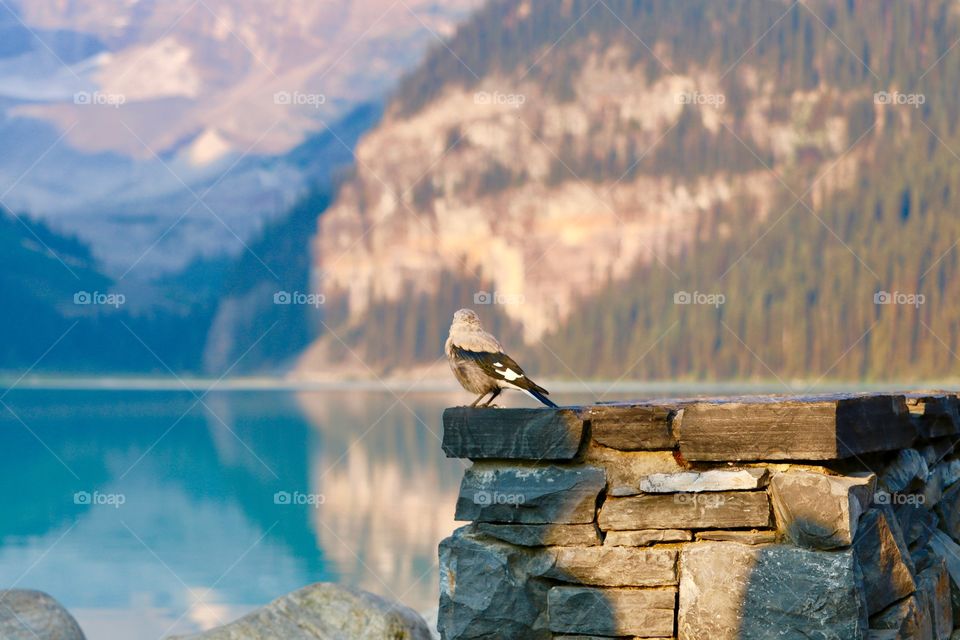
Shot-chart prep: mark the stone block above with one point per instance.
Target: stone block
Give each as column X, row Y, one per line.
column 711, row 480
column 512, row 434
column 645, row 537
column 884, row 559
column 640, row 613
column 632, row 427
column 541, row 535
column 615, row 566
column 817, row 510
column 721, row 510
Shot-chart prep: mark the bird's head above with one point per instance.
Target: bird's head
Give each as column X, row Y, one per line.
column 466, row 318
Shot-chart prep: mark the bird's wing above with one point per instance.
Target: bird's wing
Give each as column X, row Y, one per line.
column 498, row 366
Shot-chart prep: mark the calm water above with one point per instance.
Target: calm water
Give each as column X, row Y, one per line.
column 150, row 513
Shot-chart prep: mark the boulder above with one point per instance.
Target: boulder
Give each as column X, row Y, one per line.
column 34, row 615
column 324, row 611
column 697, row 481
column 641, row 613
column 645, row 537
column 488, row 590
column 884, row 559
column 529, row 494
column 721, row 510
column 731, row 591
column 820, row 511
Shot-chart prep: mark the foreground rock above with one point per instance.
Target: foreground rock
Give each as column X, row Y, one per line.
column 324, row 611
column 34, row 615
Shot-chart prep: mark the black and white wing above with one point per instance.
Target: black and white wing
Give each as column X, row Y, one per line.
column 504, row 370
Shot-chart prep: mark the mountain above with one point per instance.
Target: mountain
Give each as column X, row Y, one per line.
column 170, row 124
column 652, row 189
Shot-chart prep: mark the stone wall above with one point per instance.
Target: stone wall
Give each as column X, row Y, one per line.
column 830, row 517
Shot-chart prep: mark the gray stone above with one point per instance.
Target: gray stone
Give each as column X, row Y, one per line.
column 949, row 511
column 721, row 510
column 34, row 615
column 933, row 590
column 730, row 591
column 948, row 550
column 645, row 537
column 632, row 427
column 641, row 613
column 916, row 522
column 512, row 434
column 743, row 537
column 795, row 428
column 712, row 480
column 817, row 510
column 884, row 559
column 529, row 494
column 615, row 566
column 907, row 467
column 541, row 535
column 907, row 619
column 324, row 611
column 935, row 414
column 488, row 590
column 625, row 469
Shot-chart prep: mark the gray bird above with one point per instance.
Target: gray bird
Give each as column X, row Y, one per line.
column 481, row 366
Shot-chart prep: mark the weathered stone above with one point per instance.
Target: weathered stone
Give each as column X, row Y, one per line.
column 949, row 551
column 935, row 451
column 625, row 469
column 632, row 427
column 529, row 494
column 903, row 470
column 949, row 511
column 730, row 591
column 907, row 618
column 721, row 510
column 820, row 511
column 933, row 590
column 540, row 535
column 645, row 537
column 487, row 589
column 712, row 480
column 615, row 566
column 916, row 522
column 935, row 414
column 512, row 434
column 34, row 615
column 322, row 611
column 884, row 559
column 795, row 428
column 642, row 613
column 743, row 537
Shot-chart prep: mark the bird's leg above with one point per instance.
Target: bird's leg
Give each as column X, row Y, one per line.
column 496, row 392
column 481, row 397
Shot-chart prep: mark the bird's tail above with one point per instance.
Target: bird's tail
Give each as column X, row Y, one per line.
column 537, row 394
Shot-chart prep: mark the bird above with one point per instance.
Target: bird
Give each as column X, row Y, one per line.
column 480, row 365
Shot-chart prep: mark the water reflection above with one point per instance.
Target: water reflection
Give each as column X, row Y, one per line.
column 180, row 530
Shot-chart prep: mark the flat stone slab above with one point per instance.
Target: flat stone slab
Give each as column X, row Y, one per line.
column 625, row 469
column 743, row 537
column 512, row 434
column 529, row 494
column 541, row 535
column 645, row 537
column 795, row 427
column 818, row 510
column 641, row 613
column 615, row 566
column 720, row 510
column 632, row 427
column 712, row 480
column 731, row 591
